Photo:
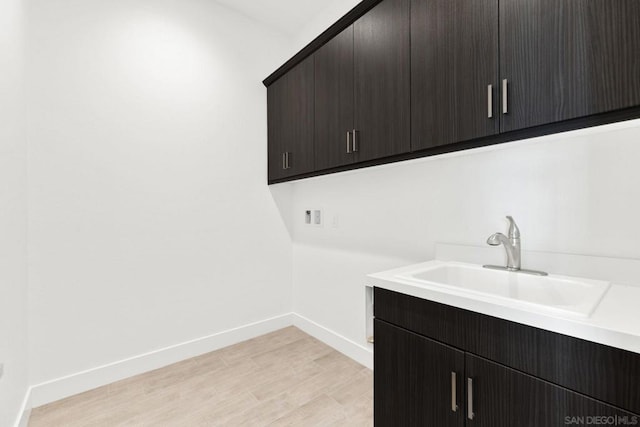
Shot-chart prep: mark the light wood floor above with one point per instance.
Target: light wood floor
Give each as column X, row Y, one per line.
column 285, row 378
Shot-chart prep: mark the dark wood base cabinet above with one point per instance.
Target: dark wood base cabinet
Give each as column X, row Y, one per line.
column 408, row 371
column 422, row 381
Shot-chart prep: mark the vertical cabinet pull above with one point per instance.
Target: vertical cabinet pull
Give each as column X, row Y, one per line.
column 470, row 413
column 355, row 141
column 285, row 160
column 348, row 142
column 454, row 393
column 490, row 101
column 505, row 96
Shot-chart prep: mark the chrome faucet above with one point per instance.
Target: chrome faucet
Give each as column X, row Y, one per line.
column 511, row 244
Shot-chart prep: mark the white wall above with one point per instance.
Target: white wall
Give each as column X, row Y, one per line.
column 572, row 193
column 13, row 213
column 332, row 12
column 150, row 221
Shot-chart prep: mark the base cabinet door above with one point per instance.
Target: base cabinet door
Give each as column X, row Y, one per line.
column 417, row 381
column 498, row 396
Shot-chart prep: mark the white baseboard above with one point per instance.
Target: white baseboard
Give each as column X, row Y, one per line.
column 355, row 351
column 60, row 388
column 25, row 410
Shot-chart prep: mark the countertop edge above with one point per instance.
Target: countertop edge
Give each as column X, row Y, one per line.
column 587, row 329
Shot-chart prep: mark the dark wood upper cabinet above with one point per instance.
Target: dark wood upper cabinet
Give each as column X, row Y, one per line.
column 454, row 71
column 564, row 59
column 503, row 397
column 334, row 109
column 400, row 79
column 362, row 89
column 382, row 80
column 290, row 119
column 417, row 381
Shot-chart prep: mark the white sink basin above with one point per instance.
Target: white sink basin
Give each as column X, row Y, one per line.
column 556, row 294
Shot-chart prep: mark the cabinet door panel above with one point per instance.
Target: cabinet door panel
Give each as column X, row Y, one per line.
column 290, row 115
column 276, row 128
column 334, row 101
column 503, row 397
column 454, row 59
column 412, row 381
column 568, row 58
column 608, row 374
column 382, row 80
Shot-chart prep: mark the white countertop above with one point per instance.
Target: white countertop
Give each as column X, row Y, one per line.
column 614, row 322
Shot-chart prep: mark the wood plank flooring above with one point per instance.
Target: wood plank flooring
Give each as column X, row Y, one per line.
column 285, row 378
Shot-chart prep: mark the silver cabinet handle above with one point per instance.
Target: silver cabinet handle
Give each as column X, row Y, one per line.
column 284, row 160
column 348, row 142
column 470, row 413
column 505, row 96
column 490, row 101
column 355, row 141
column 454, row 397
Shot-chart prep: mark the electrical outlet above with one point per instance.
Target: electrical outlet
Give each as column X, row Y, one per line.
column 313, row 217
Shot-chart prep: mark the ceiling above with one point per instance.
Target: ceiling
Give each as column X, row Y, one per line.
column 287, row 16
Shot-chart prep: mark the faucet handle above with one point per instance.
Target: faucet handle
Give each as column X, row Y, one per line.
column 514, row 231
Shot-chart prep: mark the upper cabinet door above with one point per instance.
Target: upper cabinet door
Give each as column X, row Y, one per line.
column 334, row 102
column 564, row 59
column 382, row 80
column 417, row 381
column 454, row 71
column 290, row 117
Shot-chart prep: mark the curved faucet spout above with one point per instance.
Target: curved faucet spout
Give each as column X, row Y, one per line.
column 498, row 239
column 511, row 244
